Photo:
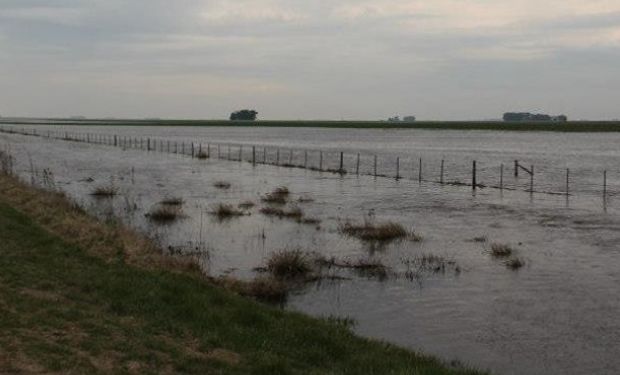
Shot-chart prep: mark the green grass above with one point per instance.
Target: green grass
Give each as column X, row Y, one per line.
column 571, row 126
column 64, row 310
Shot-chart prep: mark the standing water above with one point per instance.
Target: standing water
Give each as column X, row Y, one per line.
column 555, row 314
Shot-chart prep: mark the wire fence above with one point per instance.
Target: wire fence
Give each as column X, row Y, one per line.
column 513, row 175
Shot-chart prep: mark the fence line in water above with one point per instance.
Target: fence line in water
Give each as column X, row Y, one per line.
column 524, row 177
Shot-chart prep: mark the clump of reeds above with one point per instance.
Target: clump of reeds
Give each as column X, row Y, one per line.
column 514, row 263
column 277, row 196
column 104, row 191
column 289, row 264
column 222, row 185
column 202, row 155
column 293, row 213
column 172, row 201
column 501, row 250
column 164, row 214
column 246, row 205
column 375, row 232
column 225, row 211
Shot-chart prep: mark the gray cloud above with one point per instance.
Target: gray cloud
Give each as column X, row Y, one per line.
column 296, row 59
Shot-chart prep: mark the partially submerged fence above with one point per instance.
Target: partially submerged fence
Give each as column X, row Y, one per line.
column 514, row 175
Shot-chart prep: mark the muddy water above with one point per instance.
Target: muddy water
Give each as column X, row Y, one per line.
column 557, row 314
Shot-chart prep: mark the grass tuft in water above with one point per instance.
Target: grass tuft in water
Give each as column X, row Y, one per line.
column 293, row 213
column 172, row 201
column 289, row 264
column 499, row 250
column 226, row 211
column 514, row 264
column 104, row 191
column 222, row 185
column 376, row 232
column 165, row 214
column 277, row 196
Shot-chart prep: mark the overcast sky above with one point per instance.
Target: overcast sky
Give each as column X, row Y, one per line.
column 300, row 59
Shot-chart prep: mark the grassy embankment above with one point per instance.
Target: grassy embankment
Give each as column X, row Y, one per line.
column 571, row 126
column 79, row 296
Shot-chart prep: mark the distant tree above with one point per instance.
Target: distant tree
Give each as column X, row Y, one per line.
column 394, row 119
column 244, row 115
column 409, row 119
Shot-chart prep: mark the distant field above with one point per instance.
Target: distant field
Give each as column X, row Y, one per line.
column 571, row 126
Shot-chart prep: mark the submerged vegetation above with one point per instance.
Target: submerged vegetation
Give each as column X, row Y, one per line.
column 104, row 191
column 165, row 214
column 375, row 232
column 499, row 250
column 277, row 196
column 172, row 201
column 293, row 213
column 226, row 211
column 222, row 185
column 288, row 264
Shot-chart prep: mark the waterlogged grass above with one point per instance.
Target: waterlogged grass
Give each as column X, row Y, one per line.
column 66, row 308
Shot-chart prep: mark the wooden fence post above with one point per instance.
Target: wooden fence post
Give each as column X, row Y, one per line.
column 420, row 171
column 341, row 161
column 567, row 181
column 532, row 179
column 357, row 165
column 474, row 181
column 253, row 155
column 516, row 168
column 375, row 166
column 501, row 176
column 604, row 184
column 397, row 167
column 441, row 173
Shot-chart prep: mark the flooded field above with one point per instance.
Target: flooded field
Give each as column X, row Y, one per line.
column 444, row 293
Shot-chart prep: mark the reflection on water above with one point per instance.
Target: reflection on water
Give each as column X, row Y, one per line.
column 557, row 314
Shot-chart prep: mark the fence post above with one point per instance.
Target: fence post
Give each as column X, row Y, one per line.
column 501, row 176
column 375, row 166
column 516, row 168
column 253, row 155
column 420, row 171
column 532, row 180
column 397, row 168
column 441, row 173
column 341, row 161
column 604, row 184
column 320, row 160
column 192, row 149
column 199, row 149
column 474, row 182
column 567, row 180
column 357, row 165
column 115, row 140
